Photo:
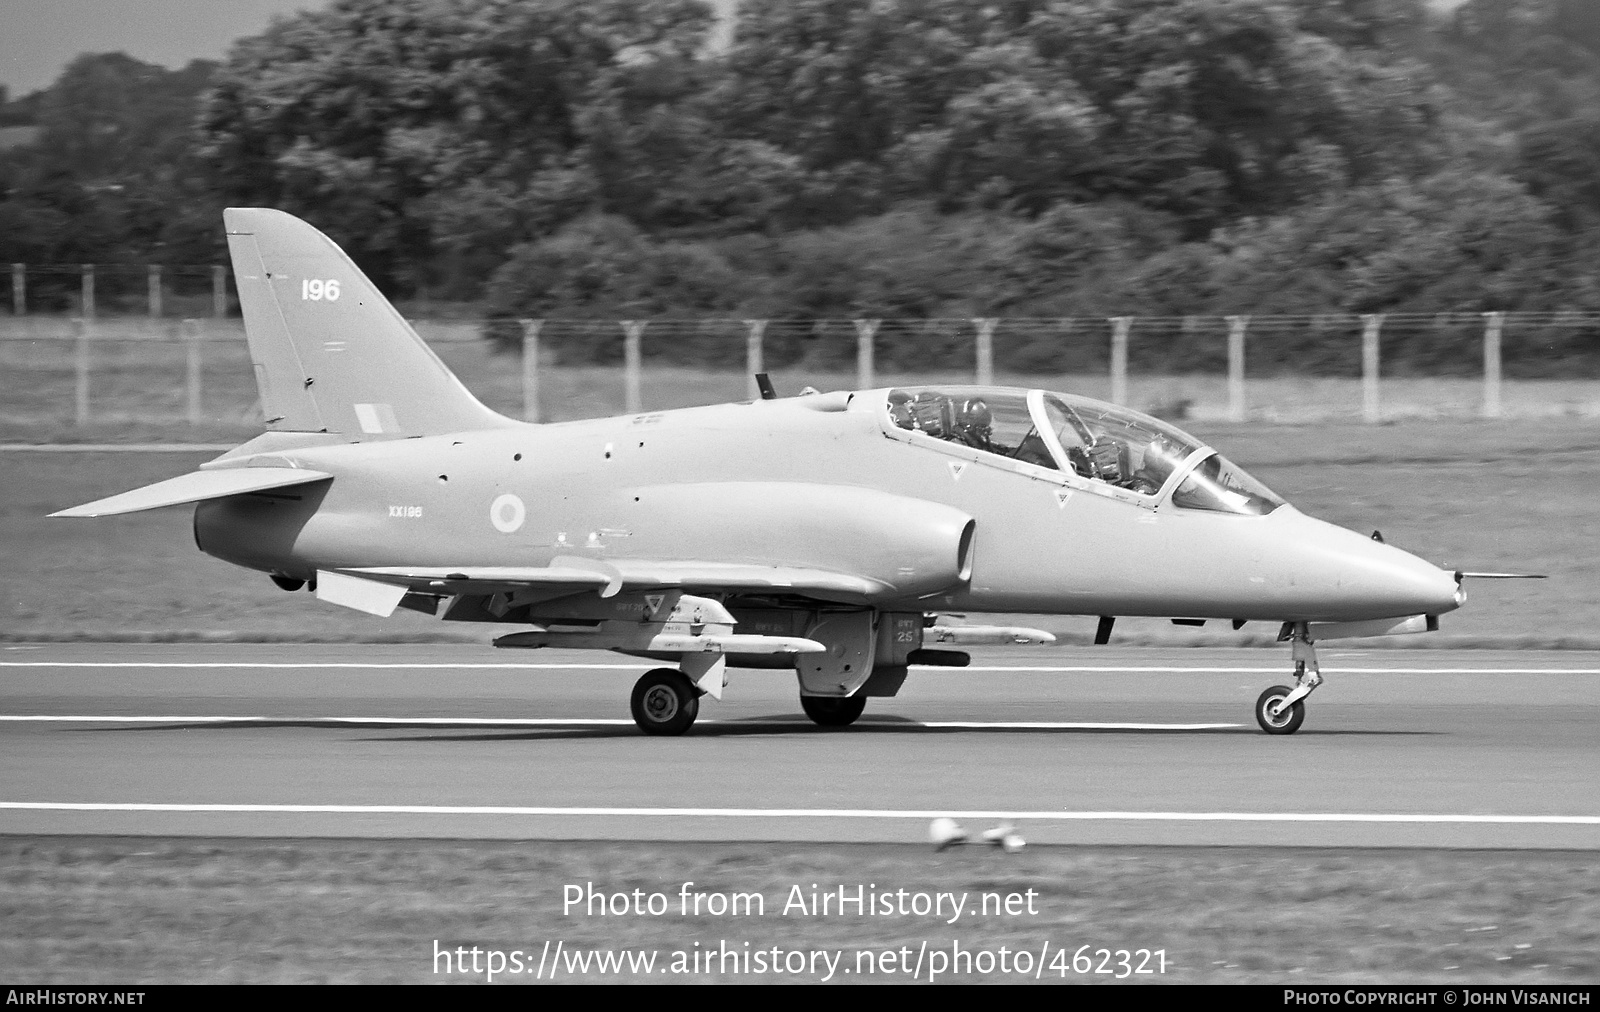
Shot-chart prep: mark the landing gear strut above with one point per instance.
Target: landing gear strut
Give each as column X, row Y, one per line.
column 665, row 702
column 1280, row 709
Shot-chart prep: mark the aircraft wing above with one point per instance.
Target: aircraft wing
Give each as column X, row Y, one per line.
column 194, row 487
column 609, row 577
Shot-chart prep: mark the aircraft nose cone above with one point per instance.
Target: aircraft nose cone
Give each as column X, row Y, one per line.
column 1368, row 579
column 1418, row 586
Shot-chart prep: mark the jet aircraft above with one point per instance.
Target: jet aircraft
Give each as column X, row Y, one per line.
column 822, row 533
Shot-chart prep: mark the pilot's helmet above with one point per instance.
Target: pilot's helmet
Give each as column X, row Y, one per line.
column 973, row 416
column 900, row 408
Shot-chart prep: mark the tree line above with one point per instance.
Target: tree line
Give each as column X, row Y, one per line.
column 844, row 158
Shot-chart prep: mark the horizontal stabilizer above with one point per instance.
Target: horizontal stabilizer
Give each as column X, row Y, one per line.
column 214, row 484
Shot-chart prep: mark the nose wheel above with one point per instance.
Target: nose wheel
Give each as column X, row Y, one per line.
column 1276, row 718
column 1281, row 709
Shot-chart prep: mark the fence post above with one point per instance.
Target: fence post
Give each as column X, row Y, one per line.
column 1189, row 332
column 219, row 291
column 530, row 368
column 754, row 360
column 19, row 289
column 192, row 335
column 1372, row 325
column 153, row 278
column 985, row 350
column 88, row 291
column 1494, row 324
column 1120, row 326
column 81, row 370
column 632, row 331
column 1066, row 325
column 1236, row 328
column 865, row 329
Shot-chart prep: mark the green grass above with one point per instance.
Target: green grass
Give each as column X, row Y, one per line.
column 1511, row 495
column 131, row 911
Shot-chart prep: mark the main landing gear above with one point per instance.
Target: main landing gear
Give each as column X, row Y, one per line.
column 665, row 702
column 1280, row 709
column 833, row 711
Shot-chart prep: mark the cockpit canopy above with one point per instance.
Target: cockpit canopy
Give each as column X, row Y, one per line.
column 1093, row 440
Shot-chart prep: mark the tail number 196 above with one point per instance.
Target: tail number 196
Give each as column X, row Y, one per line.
column 314, row 290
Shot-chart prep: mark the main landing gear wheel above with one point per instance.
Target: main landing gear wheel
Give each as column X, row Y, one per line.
column 1287, row 721
column 665, row 702
column 833, row 711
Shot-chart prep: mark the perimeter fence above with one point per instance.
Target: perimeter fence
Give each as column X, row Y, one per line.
column 156, row 290
column 86, row 369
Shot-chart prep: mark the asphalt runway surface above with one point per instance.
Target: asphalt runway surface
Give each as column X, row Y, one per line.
column 1074, row 745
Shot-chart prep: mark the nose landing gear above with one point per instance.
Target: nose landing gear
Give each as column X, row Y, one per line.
column 1276, row 717
column 1280, row 709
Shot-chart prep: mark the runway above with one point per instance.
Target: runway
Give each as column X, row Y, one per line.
column 1078, row 745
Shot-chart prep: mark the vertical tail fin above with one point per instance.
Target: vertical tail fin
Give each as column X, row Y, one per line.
column 331, row 354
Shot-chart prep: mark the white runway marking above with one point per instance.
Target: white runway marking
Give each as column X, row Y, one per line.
column 987, row 669
column 1049, row 725
column 812, row 813
column 1279, row 670
column 1025, row 725
column 317, row 665
column 213, row 719
column 115, row 447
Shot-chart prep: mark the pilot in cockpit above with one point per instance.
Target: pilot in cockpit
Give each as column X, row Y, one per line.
column 974, row 424
column 900, row 409
column 1161, row 457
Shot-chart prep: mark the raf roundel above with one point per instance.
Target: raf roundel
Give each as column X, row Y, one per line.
column 507, row 513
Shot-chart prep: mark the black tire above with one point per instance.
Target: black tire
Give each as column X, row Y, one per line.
column 1287, row 722
column 665, row 702
column 833, row 711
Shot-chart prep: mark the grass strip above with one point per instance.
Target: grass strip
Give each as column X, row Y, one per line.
column 166, row 910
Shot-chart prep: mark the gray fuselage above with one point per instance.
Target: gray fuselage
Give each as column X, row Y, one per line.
column 821, row 482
